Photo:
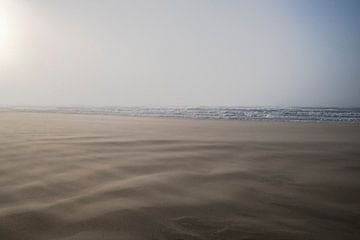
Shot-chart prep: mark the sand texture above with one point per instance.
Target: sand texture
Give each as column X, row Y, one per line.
column 103, row 177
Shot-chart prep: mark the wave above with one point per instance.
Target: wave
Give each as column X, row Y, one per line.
column 350, row 115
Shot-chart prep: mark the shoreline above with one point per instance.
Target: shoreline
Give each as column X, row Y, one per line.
column 336, row 123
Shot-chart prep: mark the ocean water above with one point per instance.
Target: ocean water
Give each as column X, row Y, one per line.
column 302, row 114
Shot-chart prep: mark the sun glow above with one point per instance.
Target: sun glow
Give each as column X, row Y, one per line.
column 9, row 38
column 5, row 29
column 4, row 35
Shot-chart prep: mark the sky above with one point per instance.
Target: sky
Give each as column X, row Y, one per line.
column 180, row 52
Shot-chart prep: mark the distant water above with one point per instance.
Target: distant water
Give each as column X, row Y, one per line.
column 351, row 115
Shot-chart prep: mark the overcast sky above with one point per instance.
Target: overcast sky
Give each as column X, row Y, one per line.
column 186, row 52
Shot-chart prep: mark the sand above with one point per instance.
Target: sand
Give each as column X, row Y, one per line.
column 88, row 177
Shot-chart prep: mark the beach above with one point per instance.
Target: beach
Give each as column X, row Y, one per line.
column 73, row 176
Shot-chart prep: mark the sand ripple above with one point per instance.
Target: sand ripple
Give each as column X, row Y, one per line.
column 72, row 177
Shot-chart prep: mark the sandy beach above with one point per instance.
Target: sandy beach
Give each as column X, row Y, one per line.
column 68, row 177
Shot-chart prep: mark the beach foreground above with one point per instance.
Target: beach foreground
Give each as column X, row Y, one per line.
column 93, row 177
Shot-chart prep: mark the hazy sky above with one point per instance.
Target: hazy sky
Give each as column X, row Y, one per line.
column 186, row 52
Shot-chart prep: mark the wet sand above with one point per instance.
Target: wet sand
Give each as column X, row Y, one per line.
column 105, row 177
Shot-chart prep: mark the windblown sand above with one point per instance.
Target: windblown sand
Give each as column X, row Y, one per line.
column 105, row 177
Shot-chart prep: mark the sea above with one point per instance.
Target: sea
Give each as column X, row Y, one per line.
column 292, row 114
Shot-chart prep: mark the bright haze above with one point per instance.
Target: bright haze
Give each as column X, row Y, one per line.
column 169, row 53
